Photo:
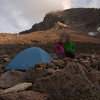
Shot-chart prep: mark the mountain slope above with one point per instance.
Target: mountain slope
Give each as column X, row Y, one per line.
column 49, row 36
column 83, row 20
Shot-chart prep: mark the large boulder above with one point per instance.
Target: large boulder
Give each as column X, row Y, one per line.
column 95, row 64
column 44, row 70
column 11, row 78
column 94, row 76
column 70, row 83
column 86, row 19
column 34, row 74
column 26, row 95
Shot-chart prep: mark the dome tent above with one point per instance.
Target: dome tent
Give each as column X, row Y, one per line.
column 29, row 58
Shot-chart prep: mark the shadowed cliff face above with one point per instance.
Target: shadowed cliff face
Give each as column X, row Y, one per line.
column 83, row 18
column 80, row 19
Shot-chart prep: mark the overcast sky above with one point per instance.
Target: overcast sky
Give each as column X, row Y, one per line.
column 19, row 15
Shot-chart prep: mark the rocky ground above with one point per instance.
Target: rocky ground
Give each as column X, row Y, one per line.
column 67, row 79
column 77, row 79
column 9, row 51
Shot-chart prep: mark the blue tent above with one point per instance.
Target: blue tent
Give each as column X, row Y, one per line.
column 28, row 58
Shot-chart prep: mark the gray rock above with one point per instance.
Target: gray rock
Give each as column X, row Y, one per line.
column 34, row 74
column 11, row 78
column 70, row 83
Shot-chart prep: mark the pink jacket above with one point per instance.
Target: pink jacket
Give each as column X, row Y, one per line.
column 59, row 49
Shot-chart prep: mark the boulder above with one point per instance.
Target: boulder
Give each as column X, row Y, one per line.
column 59, row 63
column 33, row 74
column 51, row 65
column 95, row 64
column 41, row 65
column 50, row 70
column 86, row 63
column 94, row 77
column 6, row 59
column 11, row 78
column 70, row 83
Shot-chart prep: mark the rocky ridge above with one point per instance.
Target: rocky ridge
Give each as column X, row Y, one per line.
column 80, row 19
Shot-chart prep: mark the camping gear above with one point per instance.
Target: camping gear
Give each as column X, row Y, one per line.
column 29, row 58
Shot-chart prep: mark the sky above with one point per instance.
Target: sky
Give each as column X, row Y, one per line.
column 20, row 15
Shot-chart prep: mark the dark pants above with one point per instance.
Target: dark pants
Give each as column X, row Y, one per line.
column 61, row 56
column 69, row 54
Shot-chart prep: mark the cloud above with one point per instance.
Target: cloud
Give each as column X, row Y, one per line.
column 94, row 4
column 11, row 20
column 38, row 8
column 19, row 15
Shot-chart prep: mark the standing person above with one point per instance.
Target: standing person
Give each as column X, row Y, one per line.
column 69, row 48
column 59, row 49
